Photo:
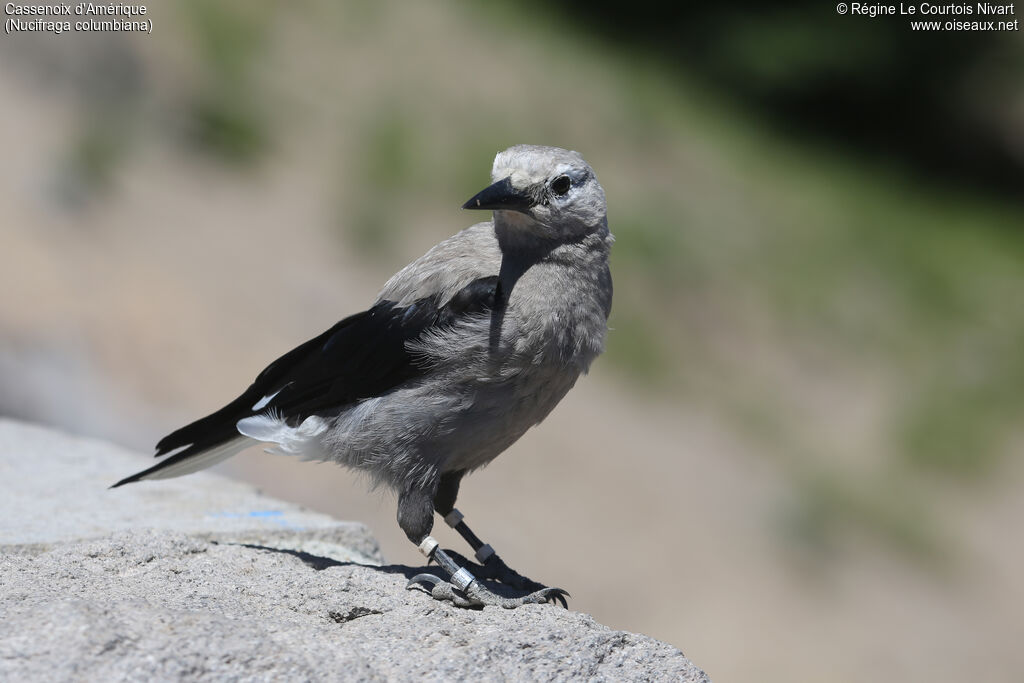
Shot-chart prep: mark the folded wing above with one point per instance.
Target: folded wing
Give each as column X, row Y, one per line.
column 363, row 356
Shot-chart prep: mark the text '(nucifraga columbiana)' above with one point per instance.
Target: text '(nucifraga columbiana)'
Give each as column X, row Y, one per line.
column 464, row 350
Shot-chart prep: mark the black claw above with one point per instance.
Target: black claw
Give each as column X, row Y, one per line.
column 424, row 579
column 557, row 596
column 477, row 595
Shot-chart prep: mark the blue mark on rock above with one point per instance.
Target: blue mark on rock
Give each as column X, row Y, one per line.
column 275, row 516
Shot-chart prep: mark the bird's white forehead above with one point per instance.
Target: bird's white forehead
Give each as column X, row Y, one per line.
column 529, row 164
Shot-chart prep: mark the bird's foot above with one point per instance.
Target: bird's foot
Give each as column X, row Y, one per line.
column 495, row 569
column 478, row 595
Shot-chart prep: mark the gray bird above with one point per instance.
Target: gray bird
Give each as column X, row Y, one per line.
column 464, row 350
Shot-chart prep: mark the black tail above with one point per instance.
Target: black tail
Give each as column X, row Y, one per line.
column 199, row 437
column 363, row 355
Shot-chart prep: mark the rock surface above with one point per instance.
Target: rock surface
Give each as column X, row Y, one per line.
column 203, row 578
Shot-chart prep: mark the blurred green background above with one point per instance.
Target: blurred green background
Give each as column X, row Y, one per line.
column 808, row 419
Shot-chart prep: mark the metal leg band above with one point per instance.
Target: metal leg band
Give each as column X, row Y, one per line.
column 462, row 578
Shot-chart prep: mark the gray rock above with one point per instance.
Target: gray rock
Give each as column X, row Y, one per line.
column 56, row 489
column 193, row 593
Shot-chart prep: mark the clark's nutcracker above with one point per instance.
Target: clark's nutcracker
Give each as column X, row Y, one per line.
column 464, row 350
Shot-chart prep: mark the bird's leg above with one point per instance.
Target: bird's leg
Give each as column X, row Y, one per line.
column 464, row 590
column 415, row 516
column 491, row 565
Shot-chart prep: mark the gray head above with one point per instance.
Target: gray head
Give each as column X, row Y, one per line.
column 547, row 192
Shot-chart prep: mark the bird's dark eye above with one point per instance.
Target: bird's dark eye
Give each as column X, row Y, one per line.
column 561, row 184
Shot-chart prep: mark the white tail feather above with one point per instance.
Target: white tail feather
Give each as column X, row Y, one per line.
column 301, row 440
column 201, row 461
column 260, row 404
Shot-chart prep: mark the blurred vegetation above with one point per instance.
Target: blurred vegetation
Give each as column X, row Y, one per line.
column 227, row 110
column 388, row 164
column 942, row 103
column 869, row 236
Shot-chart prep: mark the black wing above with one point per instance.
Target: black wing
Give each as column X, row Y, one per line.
column 362, row 356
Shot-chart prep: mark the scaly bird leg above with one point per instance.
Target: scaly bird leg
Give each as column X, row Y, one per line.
column 416, row 507
column 465, row 590
column 491, row 565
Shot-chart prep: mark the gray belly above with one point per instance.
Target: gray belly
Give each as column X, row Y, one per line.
column 498, row 415
column 476, row 401
column 417, row 433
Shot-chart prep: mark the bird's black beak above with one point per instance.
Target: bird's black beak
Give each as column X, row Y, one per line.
column 501, row 196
